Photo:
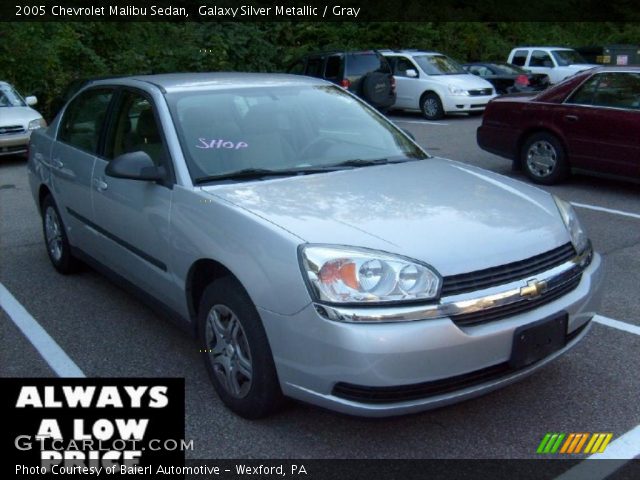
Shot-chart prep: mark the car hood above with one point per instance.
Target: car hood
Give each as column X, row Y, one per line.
column 453, row 216
column 466, row 81
column 17, row 116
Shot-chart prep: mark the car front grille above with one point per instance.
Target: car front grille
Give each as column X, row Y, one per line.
column 11, row 130
column 418, row 391
column 490, row 277
column 524, row 305
column 481, row 92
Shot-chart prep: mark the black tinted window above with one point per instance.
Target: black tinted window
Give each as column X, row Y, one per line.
column 540, row 59
column 314, row 67
column 84, row 118
column 332, row 68
column 519, row 58
column 362, row 63
column 402, row 65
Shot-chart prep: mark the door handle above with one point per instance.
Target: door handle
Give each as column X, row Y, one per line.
column 100, row 184
column 571, row 118
column 56, row 163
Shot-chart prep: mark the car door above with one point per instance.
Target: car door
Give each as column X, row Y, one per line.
column 601, row 124
column 408, row 88
column 72, row 160
column 133, row 215
column 541, row 62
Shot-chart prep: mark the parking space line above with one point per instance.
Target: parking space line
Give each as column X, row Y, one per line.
column 624, row 449
column 46, row 346
column 426, row 122
column 607, row 210
column 624, row 326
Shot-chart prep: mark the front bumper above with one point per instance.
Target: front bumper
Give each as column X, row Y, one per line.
column 465, row 104
column 14, row 144
column 314, row 354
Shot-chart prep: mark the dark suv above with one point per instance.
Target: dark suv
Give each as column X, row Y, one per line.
column 365, row 73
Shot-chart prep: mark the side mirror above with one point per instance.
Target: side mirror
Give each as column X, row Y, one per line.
column 31, row 101
column 411, row 73
column 409, row 134
column 135, row 166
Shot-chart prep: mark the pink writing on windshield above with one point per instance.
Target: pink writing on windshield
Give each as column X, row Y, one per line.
column 220, row 143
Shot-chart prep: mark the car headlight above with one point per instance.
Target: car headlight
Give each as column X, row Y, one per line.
column 37, row 123
column 353, row 275
column 576, row 231
column 455, row 90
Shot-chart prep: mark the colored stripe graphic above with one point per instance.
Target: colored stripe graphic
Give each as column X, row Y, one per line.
column 574, row 442
column 550, row 443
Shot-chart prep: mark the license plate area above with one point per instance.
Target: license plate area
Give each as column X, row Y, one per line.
column 535, row 341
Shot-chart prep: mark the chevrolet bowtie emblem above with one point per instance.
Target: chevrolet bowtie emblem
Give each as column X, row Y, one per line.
column 533, row 289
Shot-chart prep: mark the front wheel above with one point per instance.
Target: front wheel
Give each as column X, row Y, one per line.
column 544, row 160
column 236, row 350
column 431, row 107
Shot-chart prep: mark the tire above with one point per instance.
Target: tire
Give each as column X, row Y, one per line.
column 236, row 351
column 56, row 240
column 431, row 107
column 544, row 159
column 377, row 90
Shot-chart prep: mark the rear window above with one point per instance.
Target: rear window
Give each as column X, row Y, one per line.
column 362, row 63
column 507, row 69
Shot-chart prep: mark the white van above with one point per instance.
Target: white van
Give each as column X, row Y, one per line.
column 436, row 85
column 559, row 63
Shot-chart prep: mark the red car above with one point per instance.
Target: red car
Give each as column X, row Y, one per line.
column 588, row 122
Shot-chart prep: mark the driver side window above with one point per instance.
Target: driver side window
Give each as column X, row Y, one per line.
column 136, row 129
column 401, row 66
column 540, row 59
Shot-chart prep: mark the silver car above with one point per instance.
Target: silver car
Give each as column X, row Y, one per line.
column 17, row 120
column 311, row 246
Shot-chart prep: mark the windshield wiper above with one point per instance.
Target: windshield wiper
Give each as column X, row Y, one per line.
column 250, row 173
column 360, row 162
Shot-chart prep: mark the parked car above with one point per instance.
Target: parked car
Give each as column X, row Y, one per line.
column 588, row 122
column 557, row 62
column 17, row 120
column 365, row 73
column 436, row 85
column 313, row 248
column 507, row 78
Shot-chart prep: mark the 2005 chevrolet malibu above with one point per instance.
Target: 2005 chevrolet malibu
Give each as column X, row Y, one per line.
column 314, row 249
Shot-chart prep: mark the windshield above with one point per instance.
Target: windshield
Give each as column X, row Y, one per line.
column 567, row 57
column 9, row 97
column 282, row 128
column 438, row 65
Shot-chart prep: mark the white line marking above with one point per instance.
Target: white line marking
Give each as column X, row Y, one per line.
column 624, row 326
column 608, row 210
column 418, row 121
column 51, row 352
column 623, row 448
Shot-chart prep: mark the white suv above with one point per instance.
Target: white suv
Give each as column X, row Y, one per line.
column 436, row 85
column 558, row 63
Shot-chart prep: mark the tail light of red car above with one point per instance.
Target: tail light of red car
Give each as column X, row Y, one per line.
column 345, row 83
column 522, row 80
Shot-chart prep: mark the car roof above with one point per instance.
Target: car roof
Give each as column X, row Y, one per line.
column 410, row 53
column 524, row 47
column 169, row 82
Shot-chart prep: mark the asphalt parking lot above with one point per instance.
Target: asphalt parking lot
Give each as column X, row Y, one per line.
column 108, row 333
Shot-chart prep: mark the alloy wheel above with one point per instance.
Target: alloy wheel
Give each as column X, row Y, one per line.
column 228, row 351
column 53, row 233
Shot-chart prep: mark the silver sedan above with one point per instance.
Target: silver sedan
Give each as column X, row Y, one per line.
column 312, row 247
